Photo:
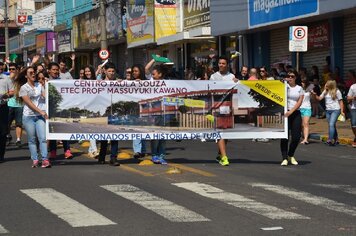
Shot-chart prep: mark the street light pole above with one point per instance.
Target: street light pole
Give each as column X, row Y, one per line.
column 103, row 41
column 6, row 19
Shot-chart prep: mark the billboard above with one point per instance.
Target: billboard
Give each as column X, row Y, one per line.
column 140, row 28
column 196, row 13
column 165, row 18
column 165, row 109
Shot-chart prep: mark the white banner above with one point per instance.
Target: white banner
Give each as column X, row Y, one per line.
column 165, row 109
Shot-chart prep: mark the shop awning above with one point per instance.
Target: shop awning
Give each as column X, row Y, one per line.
column 193, row 34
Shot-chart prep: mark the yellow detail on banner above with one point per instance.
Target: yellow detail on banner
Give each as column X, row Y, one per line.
column 273, row 90
column 194, row 103
column 165, row 20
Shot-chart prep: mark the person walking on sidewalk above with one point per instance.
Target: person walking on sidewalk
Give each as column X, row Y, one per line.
column 34, row 114
column 334, row 107
column 305, row 108
column 223, row 75
column 351, row 97
column 295, row 96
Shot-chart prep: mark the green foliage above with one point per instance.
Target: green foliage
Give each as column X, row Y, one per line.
column 54, row 99
column 123, row 108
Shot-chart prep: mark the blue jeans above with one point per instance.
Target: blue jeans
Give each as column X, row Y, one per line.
column 35, row 127
column 158, row 147
column 139, row 146
column 331, row 116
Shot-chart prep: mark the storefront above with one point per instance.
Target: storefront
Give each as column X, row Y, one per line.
column 349, row 49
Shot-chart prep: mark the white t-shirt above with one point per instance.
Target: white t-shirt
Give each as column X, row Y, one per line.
column 225, row 77
column 65, row 76
column 331, row 104
column 293, row 95
column 35, row 95
column 306, row 100
column 352, row 93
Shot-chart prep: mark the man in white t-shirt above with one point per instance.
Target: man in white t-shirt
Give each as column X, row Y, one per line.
column 64, row 74
column 351, row 98
column 223, row 75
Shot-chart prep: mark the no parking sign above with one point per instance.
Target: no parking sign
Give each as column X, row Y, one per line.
column 298, row 38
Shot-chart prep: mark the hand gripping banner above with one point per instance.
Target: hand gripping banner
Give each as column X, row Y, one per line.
column 165, row 109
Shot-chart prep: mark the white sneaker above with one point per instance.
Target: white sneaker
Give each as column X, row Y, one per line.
column 93, row 154
column 284, row 162
column 293, row 161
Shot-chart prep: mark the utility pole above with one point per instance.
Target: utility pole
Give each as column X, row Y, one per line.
column 6, row 20
column 102, row 14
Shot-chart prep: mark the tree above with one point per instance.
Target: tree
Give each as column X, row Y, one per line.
column 123, row 108
column 54, row 99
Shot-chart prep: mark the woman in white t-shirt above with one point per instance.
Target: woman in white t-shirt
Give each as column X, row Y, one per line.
column 32, row 94
column 334, row 107
column 305, row 108
column 295, row 95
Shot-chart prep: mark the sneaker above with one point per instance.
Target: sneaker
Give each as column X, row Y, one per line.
column 18, row 142
column 8, row 139
column 224, row 161
column 293, row 161
column 35, row 164
column 53, row 154
column 114, row 162
column 284, row 162
column 46, row 164
column 263, row 140
column 68, row 155
column 162, row 160
column 155, row 159
column 138, row 155
column 329, row 143
column 218, row 158
column 336, row 142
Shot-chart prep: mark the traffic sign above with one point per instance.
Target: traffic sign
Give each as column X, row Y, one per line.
column 298, row 38
column 104, row 54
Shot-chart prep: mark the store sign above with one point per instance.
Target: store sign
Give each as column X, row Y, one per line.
column 196, row 13
column 318, row 36
column 51, row 42
column 41, row 43
column 43, row 20
column 64, row 41
column 87, row 27
column 14, row 44
column 140, row 29
column 165, row 18
column 265, row 12
column 24, row 16
column 29, row 39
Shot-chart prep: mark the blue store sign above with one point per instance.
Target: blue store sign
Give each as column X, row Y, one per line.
column 264, row 12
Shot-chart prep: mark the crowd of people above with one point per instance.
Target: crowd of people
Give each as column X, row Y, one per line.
column 22, row 99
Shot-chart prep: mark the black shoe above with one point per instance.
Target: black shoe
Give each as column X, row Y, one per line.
column 18, row 143
column 101, row 161
column 138, row 155
column 114, row 162
column 8, row 139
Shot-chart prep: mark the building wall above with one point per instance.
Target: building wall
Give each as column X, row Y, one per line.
column 66, row 9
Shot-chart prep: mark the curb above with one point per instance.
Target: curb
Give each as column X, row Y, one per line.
column 323, row 138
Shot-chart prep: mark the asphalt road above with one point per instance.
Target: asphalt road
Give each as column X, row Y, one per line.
column 80, row 197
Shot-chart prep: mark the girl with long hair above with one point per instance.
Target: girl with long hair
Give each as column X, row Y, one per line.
column 32, row 94
column 305, row 108
column 89, row 73
column 334, row 107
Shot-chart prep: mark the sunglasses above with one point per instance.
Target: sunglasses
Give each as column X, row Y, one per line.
column 31, row 72
column 11, row 68
column 262, row 71
column 290, row 76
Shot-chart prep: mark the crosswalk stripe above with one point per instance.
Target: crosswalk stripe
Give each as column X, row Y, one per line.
column 345, row 188
column 69, row 210
column 308, row 198
column 160, row 206
column 3, row 230
column 239, row 201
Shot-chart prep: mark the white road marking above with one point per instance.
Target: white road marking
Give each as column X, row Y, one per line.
column 239, row 201
column 345, row 188
column 3, row 230
column 272, row 228
column 309, row 198
column 160, row 206
column 69, row 210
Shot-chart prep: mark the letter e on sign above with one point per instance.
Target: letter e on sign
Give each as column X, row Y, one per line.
column 298, row 38
column 104, row 54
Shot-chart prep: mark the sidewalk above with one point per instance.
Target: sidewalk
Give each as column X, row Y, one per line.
column 319, row 130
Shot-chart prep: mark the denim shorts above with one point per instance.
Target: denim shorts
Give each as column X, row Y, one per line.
column 305, row 112
column 15, row 113
column 353, row 118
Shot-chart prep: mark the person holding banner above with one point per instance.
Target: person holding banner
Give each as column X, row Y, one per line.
column 139, row 146
column 32, row 94
column 223, row 75
column 295, row 96
column 109, row 70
